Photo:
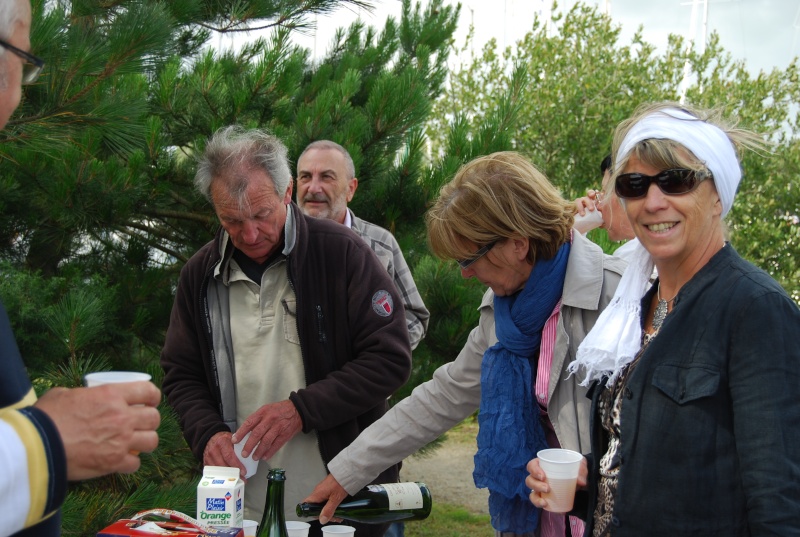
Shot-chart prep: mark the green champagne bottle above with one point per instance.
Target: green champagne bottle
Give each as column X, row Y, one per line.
column 273, row 522
column 375, row 504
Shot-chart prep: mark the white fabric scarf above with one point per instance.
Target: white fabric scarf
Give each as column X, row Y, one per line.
column 616, row 337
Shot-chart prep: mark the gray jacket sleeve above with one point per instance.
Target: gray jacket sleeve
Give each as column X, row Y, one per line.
column 434, row 407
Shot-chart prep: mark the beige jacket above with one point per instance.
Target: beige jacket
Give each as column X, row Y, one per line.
column 454, row 392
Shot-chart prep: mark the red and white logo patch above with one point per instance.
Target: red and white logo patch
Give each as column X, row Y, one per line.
column 382, row 303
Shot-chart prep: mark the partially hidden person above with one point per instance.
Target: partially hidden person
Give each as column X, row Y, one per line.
column 606, row 202
column 326, row 183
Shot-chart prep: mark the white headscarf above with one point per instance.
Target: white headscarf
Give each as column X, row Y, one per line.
column 616, row 337
column 707, row 142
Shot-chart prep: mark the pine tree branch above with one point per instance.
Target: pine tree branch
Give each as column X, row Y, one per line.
column 50, row 114
column 237, row 26
column 233, row 27
column 151, row 243
column 180, row 215
column 109, row 70
column 292, row 20
column 180, row 199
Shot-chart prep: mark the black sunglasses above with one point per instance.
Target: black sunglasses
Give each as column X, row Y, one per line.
column 465, row 263
column 33, row 64
column 671, row 182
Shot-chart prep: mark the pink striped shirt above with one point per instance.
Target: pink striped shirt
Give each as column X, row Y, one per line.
column 551, row 524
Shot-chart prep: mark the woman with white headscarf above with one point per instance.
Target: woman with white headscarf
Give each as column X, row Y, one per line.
column 695, row 381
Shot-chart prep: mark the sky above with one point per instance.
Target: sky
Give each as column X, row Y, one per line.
column 764, row 33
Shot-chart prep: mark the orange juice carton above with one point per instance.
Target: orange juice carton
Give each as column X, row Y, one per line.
column 220, row 497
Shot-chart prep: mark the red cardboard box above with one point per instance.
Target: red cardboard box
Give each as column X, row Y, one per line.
column 155, row 522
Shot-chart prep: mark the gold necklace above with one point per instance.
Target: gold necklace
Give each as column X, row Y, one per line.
column 662, row 308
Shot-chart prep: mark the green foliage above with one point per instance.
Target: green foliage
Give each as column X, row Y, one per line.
column 71, row 373
column 370, row 93
column 25, row 296
column 492, row 130
column 97, row 162
column 583, row 82
column 86, row 511
column 167, row 476
column 78, row 320
column 454, row 301
column 71, row 324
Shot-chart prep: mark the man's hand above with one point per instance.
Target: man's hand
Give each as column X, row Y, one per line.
column 104, row 428
column 271, row 426
column 331, row 491
column 219, row 452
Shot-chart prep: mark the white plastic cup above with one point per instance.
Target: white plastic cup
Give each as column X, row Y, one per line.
column 296, row 528
column 113, row 377
column 250, row 528
column 339, row 531
column 589, row 221
column 250, row 464
column 560, row 466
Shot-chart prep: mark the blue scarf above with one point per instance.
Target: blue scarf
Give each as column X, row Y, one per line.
column 510, row 431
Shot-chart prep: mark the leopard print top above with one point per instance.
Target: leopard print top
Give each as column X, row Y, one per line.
column 609, row 406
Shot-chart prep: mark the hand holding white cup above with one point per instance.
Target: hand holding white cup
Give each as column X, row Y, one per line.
column 104, row 428
column 589, row 221
column 100, row 378
column 561, row 467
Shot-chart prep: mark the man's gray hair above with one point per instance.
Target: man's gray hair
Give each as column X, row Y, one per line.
column 327, row 144
column 232, row 151
column 10, row 13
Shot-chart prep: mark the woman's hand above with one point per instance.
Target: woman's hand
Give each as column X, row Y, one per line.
column 589, row 201
column 537, row 482
column 330, row 491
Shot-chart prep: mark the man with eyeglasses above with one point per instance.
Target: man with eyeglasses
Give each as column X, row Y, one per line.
column 66, row 434
column 15, row 30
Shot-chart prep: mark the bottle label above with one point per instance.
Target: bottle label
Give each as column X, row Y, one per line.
column 401, row 495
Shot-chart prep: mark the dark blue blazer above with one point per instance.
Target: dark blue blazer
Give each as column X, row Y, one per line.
column 710, row 422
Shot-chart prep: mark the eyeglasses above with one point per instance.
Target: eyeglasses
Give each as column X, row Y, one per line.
column 33, row 64
column 465, row 263
column 671, row 182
